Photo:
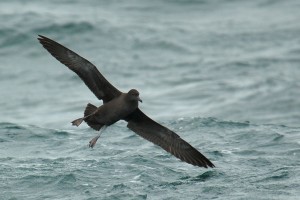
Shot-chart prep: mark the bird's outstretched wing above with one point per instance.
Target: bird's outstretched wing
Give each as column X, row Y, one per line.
column 83, row 68
column 166, row 139
column 137, row 121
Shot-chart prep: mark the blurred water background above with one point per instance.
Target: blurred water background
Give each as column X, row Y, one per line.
column 223, row 74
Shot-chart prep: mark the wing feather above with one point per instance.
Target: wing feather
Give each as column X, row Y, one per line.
column 166, row 139
column 83, row 68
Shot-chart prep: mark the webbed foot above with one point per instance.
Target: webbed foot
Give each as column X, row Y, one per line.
column 77, row 122
column 93, row 141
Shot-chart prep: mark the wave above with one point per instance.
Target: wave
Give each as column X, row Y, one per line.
column 12, row 132
column 154, row 44
column 65, row 28
column 12, row 37
column 210, row 121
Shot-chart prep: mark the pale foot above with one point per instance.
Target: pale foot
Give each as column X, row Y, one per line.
column 93, row 141
column 77, row 122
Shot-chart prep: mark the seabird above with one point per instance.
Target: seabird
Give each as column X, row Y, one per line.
column 120, row 106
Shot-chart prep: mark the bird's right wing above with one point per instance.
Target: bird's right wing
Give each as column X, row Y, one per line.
column 83, row 68
column 166, row 139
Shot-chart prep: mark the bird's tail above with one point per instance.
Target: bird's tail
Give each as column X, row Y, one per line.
column 89, row 110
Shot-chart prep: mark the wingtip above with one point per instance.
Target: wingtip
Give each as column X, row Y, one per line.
column 40, row 37
column 211, row 165
column 207, row 165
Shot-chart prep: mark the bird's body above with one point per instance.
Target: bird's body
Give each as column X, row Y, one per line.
column 111, row 111
column 121, row 106
column 116, row 109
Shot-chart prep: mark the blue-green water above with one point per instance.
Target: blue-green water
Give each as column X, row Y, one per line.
column 224, row 75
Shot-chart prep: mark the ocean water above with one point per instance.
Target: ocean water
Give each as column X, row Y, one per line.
column 223, row 74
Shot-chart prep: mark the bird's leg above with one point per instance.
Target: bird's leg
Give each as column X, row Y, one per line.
column 94, row 140
column 78, row 121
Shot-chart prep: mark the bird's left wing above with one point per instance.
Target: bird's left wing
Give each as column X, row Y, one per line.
column 83, row 68
column 166, row 139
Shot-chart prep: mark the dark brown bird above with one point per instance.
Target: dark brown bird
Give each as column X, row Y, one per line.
column 120, row 106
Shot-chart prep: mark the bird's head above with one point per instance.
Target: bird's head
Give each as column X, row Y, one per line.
column 133, row 95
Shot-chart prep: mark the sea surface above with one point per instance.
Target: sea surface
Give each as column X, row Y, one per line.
column 223, row 74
